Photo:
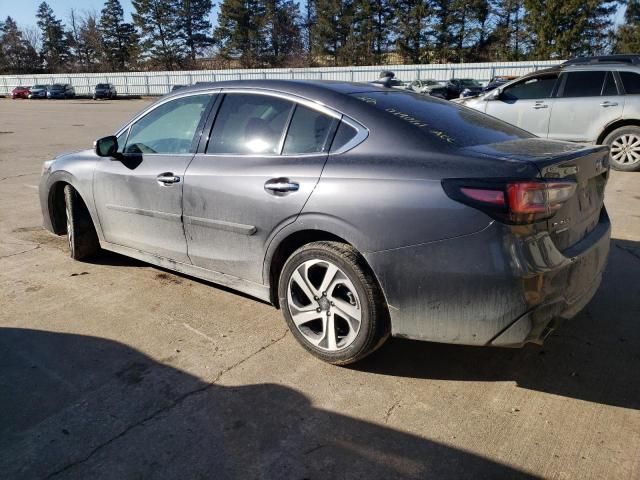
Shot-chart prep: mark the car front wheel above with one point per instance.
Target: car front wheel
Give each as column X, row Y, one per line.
column 332, row 302
column 81, row 234
column 624, row 143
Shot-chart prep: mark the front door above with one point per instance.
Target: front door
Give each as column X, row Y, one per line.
column 263, row 159
column 139, row 198
column 526, row 104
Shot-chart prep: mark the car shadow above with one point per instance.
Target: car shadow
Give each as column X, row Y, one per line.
column 75, row 406
column 593, row 357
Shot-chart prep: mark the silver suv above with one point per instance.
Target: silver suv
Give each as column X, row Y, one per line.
column 594, row 100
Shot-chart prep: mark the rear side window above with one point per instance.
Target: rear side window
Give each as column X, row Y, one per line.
column 248, row 124
column 308, row 132
column 344, row 135
column 443, row 122
column 630, row 81
column 584, row 84
column 531, row 89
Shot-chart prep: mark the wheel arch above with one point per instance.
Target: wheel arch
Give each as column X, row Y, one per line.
column 615, row 125
column 285, row 247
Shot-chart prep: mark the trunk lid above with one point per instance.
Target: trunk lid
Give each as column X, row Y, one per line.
column 587, row 165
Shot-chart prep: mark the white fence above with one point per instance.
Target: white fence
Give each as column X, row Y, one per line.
column 159, row 83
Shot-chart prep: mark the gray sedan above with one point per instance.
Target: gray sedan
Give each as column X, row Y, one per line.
column 360, row 210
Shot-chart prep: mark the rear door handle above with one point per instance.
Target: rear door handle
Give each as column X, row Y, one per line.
column 167, row 178
column 609, row 104
column 281, row 186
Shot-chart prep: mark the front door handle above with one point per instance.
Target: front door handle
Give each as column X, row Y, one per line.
column 609, row 104
column 281, row 186
column 538, row 106
column 167, row 178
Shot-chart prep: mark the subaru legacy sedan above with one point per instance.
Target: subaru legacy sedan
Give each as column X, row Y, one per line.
column 361, row 211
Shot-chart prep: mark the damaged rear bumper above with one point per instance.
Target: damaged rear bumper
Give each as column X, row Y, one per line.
column 494, row 287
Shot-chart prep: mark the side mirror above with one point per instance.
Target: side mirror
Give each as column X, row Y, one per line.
column 494, row 94
column 106, row 146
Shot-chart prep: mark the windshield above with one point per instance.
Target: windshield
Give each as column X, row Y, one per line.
column 445, row 123
column 468, row 82
column 40, row 86
column 102, row 85
column 57, row 86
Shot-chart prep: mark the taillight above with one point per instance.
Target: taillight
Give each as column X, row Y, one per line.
column 515, row 201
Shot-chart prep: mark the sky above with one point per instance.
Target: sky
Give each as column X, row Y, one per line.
column 24, row 11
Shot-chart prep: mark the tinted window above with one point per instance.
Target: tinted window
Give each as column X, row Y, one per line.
column 609, row 85
column 249, row 124
column 630, row 81
column 443, row 122
column 102, row 85
column 583, row 84
column 344, row 134
column 534, row 88
column 169, row 128
column 308, row 132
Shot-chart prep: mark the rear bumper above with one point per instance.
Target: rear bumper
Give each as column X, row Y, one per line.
column 499, row 286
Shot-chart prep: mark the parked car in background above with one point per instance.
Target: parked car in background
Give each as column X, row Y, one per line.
column 457, row 87
column 105, row 90
column 20, row 92
column 497, row 81
column 177, row 87
column 361, row 211
column 38, row 91
column 61, row 90
column 585, row 101
column 428, row 87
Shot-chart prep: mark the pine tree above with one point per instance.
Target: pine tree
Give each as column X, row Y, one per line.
column 194, row 25
column 119, row 38
column 240, row 34
column 370, row 31
column 158, row 23
column 54, row 52
column 628, row 35
column 442, row 30
column 569, row 28
column 410, row 29
column 332, row 30
column 282, row 30
column 17, row 55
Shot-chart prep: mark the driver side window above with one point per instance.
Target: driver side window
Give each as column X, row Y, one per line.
column 169, row 128
column 531, row 89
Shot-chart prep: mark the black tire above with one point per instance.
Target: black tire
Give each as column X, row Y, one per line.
column 81, row 233
column 627, row 164
column 374, row 327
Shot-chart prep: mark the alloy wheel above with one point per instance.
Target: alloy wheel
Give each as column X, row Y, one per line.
column 625, row 149
column 324, row 305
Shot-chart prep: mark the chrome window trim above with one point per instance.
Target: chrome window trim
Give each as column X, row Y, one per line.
column 361, row 135
column 362, row 132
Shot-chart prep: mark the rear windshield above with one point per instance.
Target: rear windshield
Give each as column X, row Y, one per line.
column 444, row 122
column 56, row 86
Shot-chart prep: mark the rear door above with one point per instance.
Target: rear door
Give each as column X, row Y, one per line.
column 260, row 164
column 587, row 102
column 139, row 199
column 526, row 104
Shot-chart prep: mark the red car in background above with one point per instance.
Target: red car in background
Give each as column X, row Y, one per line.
column 20, row 92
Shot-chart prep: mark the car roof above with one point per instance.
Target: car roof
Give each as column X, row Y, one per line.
column 319, row 90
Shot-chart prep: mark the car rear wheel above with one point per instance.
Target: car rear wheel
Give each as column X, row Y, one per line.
column 332, row 303
column 624, row 143
column 81, row 234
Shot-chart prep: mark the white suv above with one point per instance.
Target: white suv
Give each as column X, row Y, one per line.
column 594, row 99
